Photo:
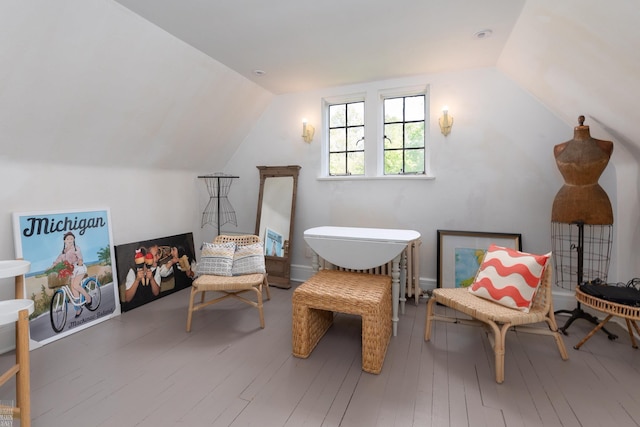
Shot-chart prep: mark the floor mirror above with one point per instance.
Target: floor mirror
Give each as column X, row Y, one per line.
column 274, row 221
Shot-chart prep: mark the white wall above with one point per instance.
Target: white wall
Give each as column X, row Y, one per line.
column 579, row 57
column 143, row 204
column 495, row 172
column 100, row 108
column 90, row 82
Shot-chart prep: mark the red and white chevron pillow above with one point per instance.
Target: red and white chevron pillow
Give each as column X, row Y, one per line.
column 509, row 277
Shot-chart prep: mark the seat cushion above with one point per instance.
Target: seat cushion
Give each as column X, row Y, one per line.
column 484, row 310
column 221, row 283
column 509, row 277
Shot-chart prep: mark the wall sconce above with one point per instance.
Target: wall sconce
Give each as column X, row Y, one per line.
column 307, row 131
column 446, row 121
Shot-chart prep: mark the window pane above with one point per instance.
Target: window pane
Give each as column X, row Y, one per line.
column 355, row 114
column 337, row 165
column 346, row 138
column 355, row 163
column 337, row 115
column 355, row 138
column 393, row 136
column 414, row 108
column 414, row 161
column 414, row 135
column 403, row 140
column 393, row 110
column 404, row 135
column 393, row 162
column 337, row 141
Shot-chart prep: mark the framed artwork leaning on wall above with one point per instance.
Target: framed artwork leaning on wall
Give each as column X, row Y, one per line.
column 72, row 280
column 152, row 269
column 460, row 254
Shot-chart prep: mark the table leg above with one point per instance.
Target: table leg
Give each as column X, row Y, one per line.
column 19, row 284
column 23, row 381
column 410, row 292
column 395, row 291
column 633, row 340
column 590, row 334
column 415, row 267
column 635, row 325
column 403, row 279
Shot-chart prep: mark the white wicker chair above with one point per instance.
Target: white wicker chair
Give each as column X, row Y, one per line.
column 229, row 287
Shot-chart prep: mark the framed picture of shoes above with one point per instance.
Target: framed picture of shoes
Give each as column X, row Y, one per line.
column 71, row 280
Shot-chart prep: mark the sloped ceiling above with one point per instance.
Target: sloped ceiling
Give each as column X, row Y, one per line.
column 92, row 83
column 581, row 57
column 101, row 82
column 303, row 44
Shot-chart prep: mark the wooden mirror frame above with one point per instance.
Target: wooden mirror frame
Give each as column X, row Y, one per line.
column 279, row 268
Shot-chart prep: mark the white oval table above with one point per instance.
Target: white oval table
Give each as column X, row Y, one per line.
column 360, row 248
column 15, row 268
column 17, row 311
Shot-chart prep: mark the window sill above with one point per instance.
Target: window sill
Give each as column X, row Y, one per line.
column 374, row 178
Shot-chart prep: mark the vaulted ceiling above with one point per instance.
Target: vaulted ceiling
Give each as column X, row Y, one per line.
column 86, row 82
column 303, row 44
column 576, row 56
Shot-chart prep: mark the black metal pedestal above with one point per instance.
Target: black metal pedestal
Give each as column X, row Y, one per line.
column 578, row 313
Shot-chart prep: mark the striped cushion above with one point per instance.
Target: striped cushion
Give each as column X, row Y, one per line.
column 509, row 277
column 248, row 259
column 216, row 259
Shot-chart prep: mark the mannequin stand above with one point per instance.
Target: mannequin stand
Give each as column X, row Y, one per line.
column 598, row 262
column 579, row 313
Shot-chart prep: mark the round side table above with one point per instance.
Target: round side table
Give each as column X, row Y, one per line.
column 629, row 313
column 17, row 311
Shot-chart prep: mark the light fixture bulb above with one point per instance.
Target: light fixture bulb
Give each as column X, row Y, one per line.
column 307, row 131
column 446, row 121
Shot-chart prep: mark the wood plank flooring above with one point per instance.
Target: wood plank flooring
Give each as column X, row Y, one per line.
column 143, row 369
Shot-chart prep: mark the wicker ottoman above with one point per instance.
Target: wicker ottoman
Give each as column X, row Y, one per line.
column 328, row 291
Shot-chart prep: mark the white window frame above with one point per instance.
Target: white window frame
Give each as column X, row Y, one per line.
column 374, row 133
column 397, row 93
column 326, row 102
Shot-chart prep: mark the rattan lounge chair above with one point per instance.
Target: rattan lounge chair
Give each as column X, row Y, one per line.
column 497, row 318
column 229, row 286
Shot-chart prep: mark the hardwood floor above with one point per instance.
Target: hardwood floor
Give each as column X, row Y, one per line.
column 143, row 369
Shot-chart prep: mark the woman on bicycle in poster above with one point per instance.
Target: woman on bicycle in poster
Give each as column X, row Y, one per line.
column 71, row 253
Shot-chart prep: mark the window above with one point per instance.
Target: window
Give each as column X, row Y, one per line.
column 346, row 138
column 387, row 139
column 404, row 135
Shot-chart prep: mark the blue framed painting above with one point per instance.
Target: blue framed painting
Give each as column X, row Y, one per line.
column 72, row 279
column 273, row 243
column 460, row 254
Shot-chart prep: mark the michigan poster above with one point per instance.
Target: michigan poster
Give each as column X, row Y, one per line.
column 72, row 279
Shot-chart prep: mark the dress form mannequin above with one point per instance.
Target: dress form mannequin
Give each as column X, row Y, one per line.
column 581, row 161
column 581, row 216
